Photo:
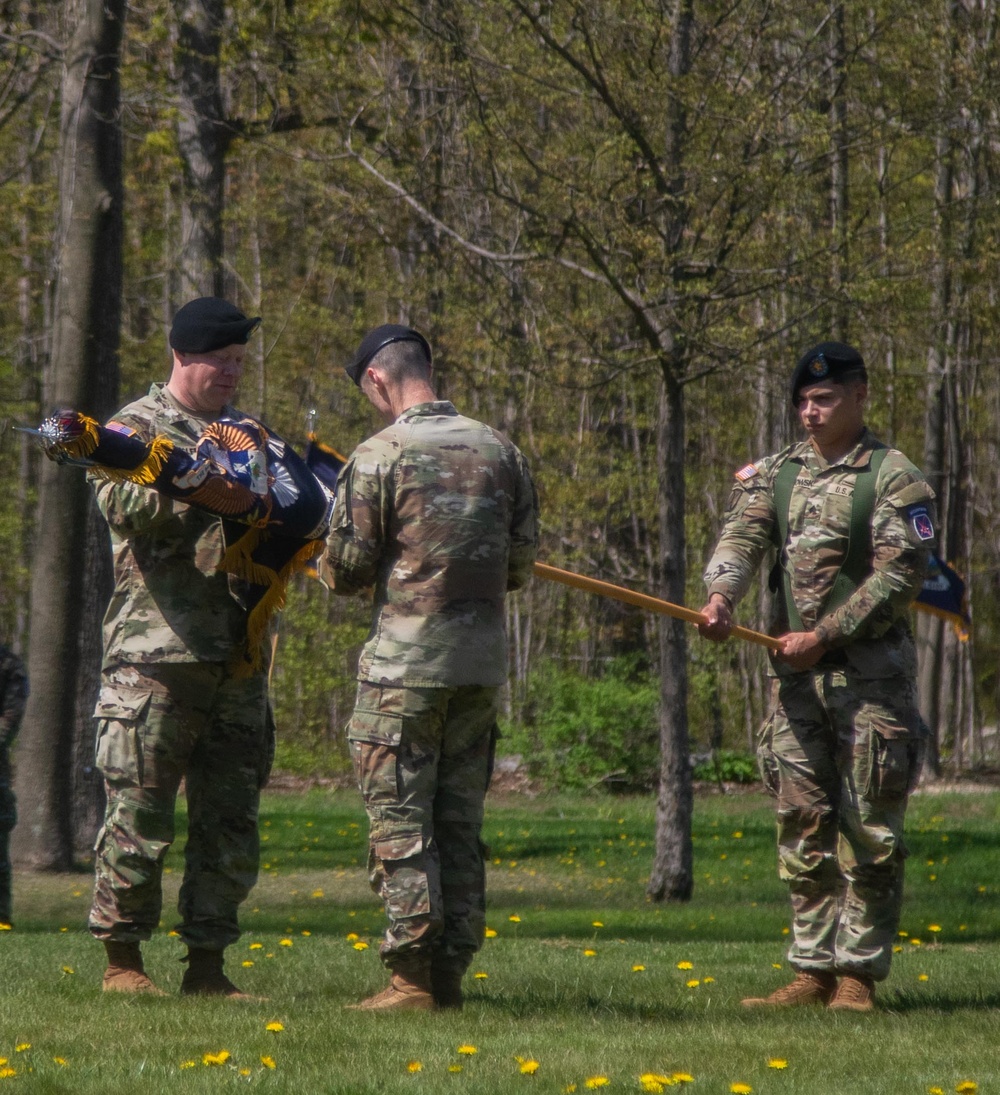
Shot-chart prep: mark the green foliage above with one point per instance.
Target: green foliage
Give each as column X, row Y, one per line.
column 727, row 766
column 583, row 731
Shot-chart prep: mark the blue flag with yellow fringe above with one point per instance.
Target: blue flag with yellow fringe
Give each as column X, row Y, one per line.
column 943, row 594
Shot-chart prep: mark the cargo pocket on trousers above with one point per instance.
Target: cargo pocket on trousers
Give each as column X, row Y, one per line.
column 398, row 863
column 892, row 764
column 118, row 754
column 374, row 740
column 766, row 763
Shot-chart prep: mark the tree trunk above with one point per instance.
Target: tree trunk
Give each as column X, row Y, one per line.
column 70, row 581
column 672, row 874
column 203, row 138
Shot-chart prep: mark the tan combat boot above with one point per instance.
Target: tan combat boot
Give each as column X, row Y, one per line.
column 204, row 977
column 446, row 982
column 409, row 989
column 807, row 988
column 125, row 971
column 854, row 993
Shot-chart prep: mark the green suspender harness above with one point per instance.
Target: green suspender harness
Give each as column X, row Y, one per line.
column 856, row 565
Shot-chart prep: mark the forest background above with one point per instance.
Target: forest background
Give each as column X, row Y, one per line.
column 619, row 224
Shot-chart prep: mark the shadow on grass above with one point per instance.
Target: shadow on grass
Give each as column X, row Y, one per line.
column 905, row 1002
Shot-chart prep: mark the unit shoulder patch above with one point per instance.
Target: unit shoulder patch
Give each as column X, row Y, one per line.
column 921, row 521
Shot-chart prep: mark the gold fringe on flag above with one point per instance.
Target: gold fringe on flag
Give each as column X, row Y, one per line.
column 159, row 449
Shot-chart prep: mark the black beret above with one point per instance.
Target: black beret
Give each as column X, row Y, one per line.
column 827, row 361
column 375, row 340
column 209, row 323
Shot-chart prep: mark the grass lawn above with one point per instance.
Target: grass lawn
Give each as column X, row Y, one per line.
column 582, row 976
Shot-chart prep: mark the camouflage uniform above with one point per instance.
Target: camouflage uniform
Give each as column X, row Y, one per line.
column 840, row 750
column 13, row 697
column 439, row 513
column 170, row 706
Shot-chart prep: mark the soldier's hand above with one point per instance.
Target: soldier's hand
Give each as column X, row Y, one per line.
column 801, row 649
column 718, row 619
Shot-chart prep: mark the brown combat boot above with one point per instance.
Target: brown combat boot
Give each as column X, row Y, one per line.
column 807, row 988
column 125, row 972
column 854, row 993
column 446, row 982
column 204, row 976
column 409, row 989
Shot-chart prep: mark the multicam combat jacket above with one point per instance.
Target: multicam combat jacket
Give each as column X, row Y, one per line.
column 170, row 603
column 439, row 513
column 869, row 634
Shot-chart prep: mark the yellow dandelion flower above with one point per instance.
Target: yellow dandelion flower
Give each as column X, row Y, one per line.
column 597, row 924
column 352, row 937
column 685, row 965
column 6, row 1073
column 638, row 968
column 693, row 983
column 740, row 1089
column 897, row 950
column 967, row 1087
column 777, row 1062
column 467, row 1050
column 173, row 934
column 708, row 980
column 902, row 934
column 68, row 970
column 933, row 927
column 776, row 965
column 244, row 1072
column 514, row 918
column 268, row 1062
column 569, row 1089
column 916, row 943
column 188, row 1064
column 317, row 893
column 361, row 945
column 306, row 933
column 219, row 1058
column 589, row 953
column 480, row 975
column 247, row 963
column 285, row 943
column 22, row 1048
column 4, row 927
column 490, row 933
column 652, row 1085
column 658, row 1078
column 454, row 1068
column 528, row 1066
column 414, row 1066
column 592, row 1082
column 738, row 835
column 256, row 946
column 935, row 1091
column 275, row 1027
column 683, row 1077
column 785, row 931
column 61, row 1061
column 923, row 977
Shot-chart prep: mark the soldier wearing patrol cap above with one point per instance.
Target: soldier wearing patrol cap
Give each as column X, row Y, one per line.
column 438, row 514
column 850, row 522
column 172, row 704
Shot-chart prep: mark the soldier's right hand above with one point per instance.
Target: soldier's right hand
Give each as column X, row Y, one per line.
column 718, row 619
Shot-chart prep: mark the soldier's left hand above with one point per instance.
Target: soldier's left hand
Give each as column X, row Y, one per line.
column 801, row 649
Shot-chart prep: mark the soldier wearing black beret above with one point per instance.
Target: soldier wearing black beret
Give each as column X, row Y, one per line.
column 851, row 523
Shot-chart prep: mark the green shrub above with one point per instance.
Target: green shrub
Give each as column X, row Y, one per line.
column 729, row 766
column 581, row 731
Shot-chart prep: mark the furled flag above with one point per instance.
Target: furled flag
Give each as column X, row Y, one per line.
column 325, row 463
column 943, row 594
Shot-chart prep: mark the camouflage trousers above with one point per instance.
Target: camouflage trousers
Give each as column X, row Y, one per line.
column 157, row 725
column 8, row 819
column 840, row 755
column 423, row 758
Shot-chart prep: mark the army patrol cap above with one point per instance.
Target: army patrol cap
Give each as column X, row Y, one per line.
column 376, row 340
column 209, row 323
column 827, row 361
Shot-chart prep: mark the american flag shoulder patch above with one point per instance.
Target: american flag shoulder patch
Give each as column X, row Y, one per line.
column 120, row 427
column 747, row 472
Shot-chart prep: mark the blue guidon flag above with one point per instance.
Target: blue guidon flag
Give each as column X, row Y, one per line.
column 943, row 594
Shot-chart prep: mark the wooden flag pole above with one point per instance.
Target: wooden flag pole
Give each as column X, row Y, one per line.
column 643, row 600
